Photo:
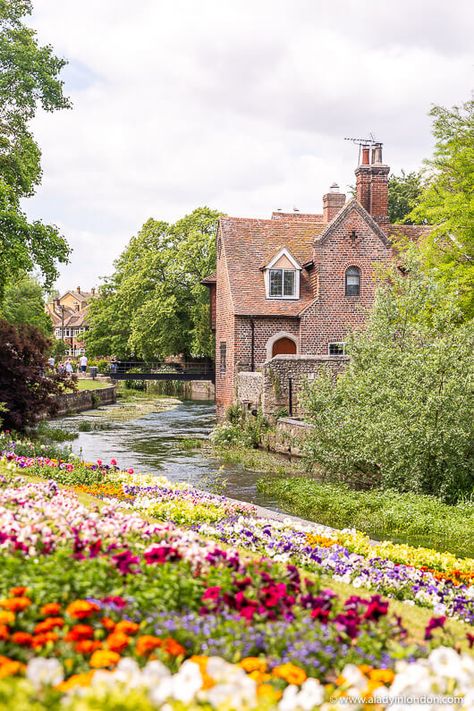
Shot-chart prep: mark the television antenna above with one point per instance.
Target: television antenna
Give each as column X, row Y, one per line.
column 364, row 142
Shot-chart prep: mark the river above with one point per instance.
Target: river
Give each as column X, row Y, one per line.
column 152, row 442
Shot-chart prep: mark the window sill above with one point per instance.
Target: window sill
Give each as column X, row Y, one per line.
column 282, row 298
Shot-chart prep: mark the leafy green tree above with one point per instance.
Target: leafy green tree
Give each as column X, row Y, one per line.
column 154, row 305
column 24, row 303
column 28, row 80
column 447, row 203
column 401, row 416
column 403, row 194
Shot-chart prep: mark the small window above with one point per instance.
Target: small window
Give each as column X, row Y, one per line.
column 223, row 357
column 282, row 283
column 337, row 349
column 353, row 281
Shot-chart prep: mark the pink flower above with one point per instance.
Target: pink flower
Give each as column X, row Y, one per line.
column 130, row 471
column 99, row 462
column 113, row 462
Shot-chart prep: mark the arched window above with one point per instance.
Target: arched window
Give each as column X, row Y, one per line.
column 353, row 281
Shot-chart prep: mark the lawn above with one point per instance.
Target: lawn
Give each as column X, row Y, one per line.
column 89, row 384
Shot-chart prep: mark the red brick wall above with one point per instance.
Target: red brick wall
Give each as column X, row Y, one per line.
column 334, row 314
column 264, row 329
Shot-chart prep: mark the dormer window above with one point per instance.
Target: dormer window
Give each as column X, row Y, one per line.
column 282, row 277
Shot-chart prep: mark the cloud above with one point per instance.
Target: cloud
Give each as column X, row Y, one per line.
column 239, row 105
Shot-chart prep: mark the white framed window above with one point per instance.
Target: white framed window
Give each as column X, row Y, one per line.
column 337, row 348
column 282, row 277
column 352, row 281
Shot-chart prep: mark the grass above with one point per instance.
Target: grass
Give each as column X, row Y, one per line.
column 86, row 384
column 403, row 518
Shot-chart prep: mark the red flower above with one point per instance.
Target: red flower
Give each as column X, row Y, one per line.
column 434, row 623
column 212, row 593
column 376, row 608
column 161, row 554
column 24, row 639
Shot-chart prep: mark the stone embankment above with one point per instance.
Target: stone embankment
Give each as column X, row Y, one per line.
column 70, row 403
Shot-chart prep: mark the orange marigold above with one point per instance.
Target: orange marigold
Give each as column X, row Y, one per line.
column 18, row 591
column 173, row 647
column 16, row 604
column 267, row 693
column 127, row 627
column 80, row 609
column 11, row 668
column 40, row 640
column 117, row 641
column 79, row 632
column 51, row 609
column 87, row 646
column 74, row 681
column 4, row 632
column 250, row 664
column 290, row 673
column 147, row 643
column 108, row 624
column 104, row 658
column 24, row 639
column 49, row 624
column 384, row 676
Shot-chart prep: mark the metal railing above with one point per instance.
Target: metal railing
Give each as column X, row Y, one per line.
column 139, row 370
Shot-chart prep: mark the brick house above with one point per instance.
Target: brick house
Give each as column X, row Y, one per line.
column 69, row 316
column 296, row 284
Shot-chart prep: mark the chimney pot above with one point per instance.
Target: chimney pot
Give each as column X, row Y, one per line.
column 78, row 289
column 365, row 155
column 93, row 290
column 334, row 188
column 377, row 154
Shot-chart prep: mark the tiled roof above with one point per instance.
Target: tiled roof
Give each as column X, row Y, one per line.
column 251, row 243
column 211, row 279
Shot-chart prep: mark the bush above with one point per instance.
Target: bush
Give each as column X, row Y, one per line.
column 26, row 386
column 241, row 429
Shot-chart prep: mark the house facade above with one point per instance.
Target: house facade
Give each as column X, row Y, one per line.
column 69, row 316
column 294, row 285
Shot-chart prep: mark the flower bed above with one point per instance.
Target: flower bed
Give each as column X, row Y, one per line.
column 428, row 578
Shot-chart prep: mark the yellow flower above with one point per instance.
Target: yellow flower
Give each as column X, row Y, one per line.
column 267, row 693
column 382, row 676
column 104, row 658
column 7, row 617
column 74, row 681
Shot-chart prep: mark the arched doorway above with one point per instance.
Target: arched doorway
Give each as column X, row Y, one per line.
column 284, row 346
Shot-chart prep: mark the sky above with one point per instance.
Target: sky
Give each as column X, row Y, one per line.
column 241, row 105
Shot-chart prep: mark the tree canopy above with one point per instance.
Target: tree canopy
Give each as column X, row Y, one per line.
column 403, row 194
column 29, row 79
column 154, row 304
column 24, row 303
column 447, row 203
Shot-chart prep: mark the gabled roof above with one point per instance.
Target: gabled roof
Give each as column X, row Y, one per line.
column 251, row 243
column 351, row 206
column 282, row 253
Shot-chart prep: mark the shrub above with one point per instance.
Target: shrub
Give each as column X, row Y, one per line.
column 26, row 388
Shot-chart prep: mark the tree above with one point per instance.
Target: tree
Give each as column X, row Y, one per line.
column 26, row 388
column 403, row 194
column 154, row 305
column 401, row 415
column 24, row 303
column 28, row 79
column 447, row 203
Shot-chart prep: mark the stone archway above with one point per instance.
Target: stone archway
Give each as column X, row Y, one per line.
column 282, row 344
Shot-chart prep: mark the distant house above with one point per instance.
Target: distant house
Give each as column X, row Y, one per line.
column 69, row 316
column 295, row 284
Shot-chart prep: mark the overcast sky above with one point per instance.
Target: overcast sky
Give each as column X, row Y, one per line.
column 241, row 105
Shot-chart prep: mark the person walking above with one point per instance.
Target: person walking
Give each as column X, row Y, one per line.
column 68, row 367
column 51, row 362
column 83, row 363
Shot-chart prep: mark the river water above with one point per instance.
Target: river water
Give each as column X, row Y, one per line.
column 152, row 442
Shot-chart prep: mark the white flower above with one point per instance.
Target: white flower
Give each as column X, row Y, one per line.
column 154, row 673
column 43, row 672
column 187, row 682
column 354, row 677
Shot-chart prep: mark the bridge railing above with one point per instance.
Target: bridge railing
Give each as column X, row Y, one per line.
column 161, row 370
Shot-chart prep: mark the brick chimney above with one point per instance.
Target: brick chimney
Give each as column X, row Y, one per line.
column 333, row 202
column 78, row 289
column 372, row 183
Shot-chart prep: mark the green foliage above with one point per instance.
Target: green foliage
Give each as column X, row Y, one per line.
column 403, row 194
column 154, row 305
column 28, row 79
column 401, row 416
column 24, row 303
column 382, row 513
column 447, row 203
column 241, row 429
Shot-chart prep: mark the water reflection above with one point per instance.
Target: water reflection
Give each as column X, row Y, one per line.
column 152, row 443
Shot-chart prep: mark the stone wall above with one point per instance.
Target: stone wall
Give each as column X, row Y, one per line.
column 250, row 389
column 280, row 370
column 289, row 436
column 85, row 400
column 199, row 390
